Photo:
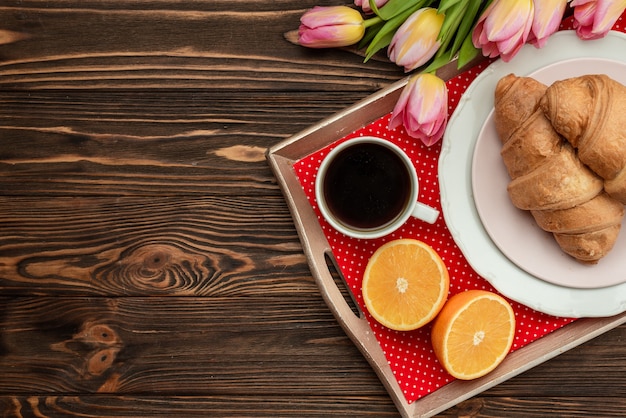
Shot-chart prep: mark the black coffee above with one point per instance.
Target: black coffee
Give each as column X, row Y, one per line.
column 367, row 185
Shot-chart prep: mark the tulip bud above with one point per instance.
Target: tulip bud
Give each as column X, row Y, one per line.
column 328, row 27
column 503, row 28
column 593, row 19
column 547, row 19
column 422, row 108
column 415, row 42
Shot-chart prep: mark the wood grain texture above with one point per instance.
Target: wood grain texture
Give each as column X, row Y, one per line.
column 166, row 45
column 148, row 144
column 149, row 265
column 194, row 246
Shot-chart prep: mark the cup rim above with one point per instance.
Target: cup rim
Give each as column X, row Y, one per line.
column 379, row 231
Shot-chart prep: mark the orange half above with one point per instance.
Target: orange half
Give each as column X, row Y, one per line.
column 473, row 333
column 405, row 284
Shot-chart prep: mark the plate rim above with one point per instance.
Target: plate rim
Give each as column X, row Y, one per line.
column 485, row 257
column 566, row 264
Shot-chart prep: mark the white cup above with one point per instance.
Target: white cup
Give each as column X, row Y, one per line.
column 367, row 187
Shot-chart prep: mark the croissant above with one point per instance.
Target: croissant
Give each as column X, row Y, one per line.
column 563, row 195
column 590, row 112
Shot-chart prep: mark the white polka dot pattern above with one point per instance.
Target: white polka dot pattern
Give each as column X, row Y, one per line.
column 409, row 354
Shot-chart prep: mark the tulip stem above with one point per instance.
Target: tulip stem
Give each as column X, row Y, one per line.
column 372, row 21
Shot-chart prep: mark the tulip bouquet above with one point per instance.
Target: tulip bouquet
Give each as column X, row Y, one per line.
column 423, row 35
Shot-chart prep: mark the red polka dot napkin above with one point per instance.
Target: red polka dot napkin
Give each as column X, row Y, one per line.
column 410, row 354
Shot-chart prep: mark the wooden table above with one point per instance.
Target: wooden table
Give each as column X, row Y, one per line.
column 149, row 265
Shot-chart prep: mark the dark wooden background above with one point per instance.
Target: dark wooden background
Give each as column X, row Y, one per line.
column 149, row 265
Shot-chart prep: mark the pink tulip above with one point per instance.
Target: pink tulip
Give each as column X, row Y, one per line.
column 329, row 27
column 593, row 19
column 415, row 42
column 422, row 108
column 365, row 4
column 504, row 28
column 547, row 19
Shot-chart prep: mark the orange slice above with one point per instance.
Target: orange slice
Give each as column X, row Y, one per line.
column 405, row 284
column 473, row 333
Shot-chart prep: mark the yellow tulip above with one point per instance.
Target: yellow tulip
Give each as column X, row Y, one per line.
column 415, row 42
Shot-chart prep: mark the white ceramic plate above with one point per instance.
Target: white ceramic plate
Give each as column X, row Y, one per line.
column 455, row 178
column 514, row 231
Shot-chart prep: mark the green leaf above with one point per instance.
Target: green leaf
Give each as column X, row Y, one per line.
column 451, row 22
column 394, row 8
column 370, row 33
column 467, row 52
column 378, row 44
column 466, row 25
column 446, row 4
column 436, row 64
column 374, row 8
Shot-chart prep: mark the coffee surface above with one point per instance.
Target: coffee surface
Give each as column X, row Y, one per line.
column 367, row 185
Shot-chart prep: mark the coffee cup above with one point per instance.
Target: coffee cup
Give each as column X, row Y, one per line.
column 367, row 187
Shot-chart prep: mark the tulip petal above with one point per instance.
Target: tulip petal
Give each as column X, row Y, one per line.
column 503, row 28
column 331, row 15
column 584, row 13
column 422, row 108
column 607, row 13
column 594, row 18
column 333, row 26
column 507, row 18
column 330, row 36
column 547, row 18
column 415, row 42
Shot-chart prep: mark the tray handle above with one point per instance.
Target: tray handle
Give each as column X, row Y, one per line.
column 354, row 324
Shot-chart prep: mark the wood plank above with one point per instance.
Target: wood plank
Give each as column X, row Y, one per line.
column 61, row 346
column 206, row 44
column 210, row 246
column 309, row 406
column 144, row 115
column 129, row 148
column 298, row 406
column 174, row 345
column 143, row 336
column 201, row 406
